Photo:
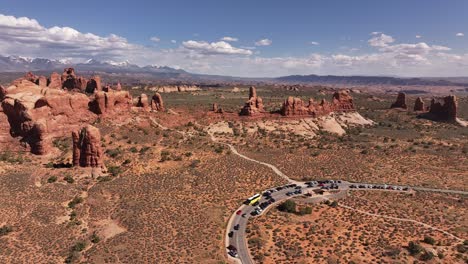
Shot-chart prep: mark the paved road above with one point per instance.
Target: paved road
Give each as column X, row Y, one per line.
column 238, row 238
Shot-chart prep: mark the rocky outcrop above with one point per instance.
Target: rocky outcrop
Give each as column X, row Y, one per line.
column 254, row 105
column 143, row 101
column 118, row 87
column 157, row 103
column 87, row 150
column 341, row 102
column 400, row 101
column 30, row 77
column 72, row 82
column 444, row 109
column 419, row 105
column 38, row 115
column 94, row 85
column 55, row 81
column 3, row 93
column 42, row 81
column 105, row 102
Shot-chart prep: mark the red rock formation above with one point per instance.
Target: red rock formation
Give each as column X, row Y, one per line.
column 216, row 109
column 294, row 106
column 87, row 150
column 419, row 105
column 55, row 81
column 444, row 110
column 3, row 93
column 30, row 77
column 72, row 82
column 342, row 101
column 118, row 87
column 42, row 81
column 143, row 101
column 254, row 105
column 157, row 103
column 400, row 101
column 94, row 85
column 105, row 102
column 39, row 115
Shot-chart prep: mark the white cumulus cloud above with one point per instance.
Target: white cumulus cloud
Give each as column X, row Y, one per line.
column 315, row 43
column 220, row 47
column 155, row 39
column 460, row 34
column 229, row 39
column 380, row 40
column 263, row 42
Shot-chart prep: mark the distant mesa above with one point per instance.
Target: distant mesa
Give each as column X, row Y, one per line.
column 400, row 101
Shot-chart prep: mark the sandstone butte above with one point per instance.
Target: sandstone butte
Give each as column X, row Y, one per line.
column 400, row 101
column 444, row 109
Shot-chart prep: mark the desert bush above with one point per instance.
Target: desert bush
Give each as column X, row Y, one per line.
column 5, row 230
column 287, row 206
column 52, row 179
column 114, row 170
column 414, row 248
column 429, row 240
column 75, row 201
column 69, row 179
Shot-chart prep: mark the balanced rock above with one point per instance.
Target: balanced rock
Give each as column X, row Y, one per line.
column 87, row 150
column 400, row 101
column 419, row 105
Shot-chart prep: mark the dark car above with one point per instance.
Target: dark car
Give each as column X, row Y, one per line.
column 272, row 200
column 230, row 234
column 236, row 227
column 244, row 214
column 232, row 251
column 298, row 187
column 253, row 213
column 279, row 188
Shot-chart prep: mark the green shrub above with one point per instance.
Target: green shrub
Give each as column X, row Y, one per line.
column 5, row 230
column 429, row 240
column 414, row 248
column 75, row 201
column 69, row 179
column 52, row 179
column 288, row 206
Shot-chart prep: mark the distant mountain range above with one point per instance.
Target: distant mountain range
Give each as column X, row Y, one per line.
column 22, row 64
column 17, row 64
column 371, row 80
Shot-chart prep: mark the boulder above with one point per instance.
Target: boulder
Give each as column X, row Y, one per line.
column 87, row 150
column 400, row 101
column 157, row 103
column 419, row 105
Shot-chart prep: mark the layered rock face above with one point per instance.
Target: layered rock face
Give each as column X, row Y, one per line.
column 254, row 105
column 445, row 109
column 87, row 150
column 419, row 105
column 105, row 102
column 341, row 102
column 40, row 114
column 157, row 103
column 400, row 101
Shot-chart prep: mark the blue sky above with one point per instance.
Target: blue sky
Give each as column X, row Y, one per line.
column 322, row 37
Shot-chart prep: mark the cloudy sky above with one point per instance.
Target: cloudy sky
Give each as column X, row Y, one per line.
column 247, row 38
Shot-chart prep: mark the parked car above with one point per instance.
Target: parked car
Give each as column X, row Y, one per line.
column 239, row 212
column 236, row 227
column 230, row 234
